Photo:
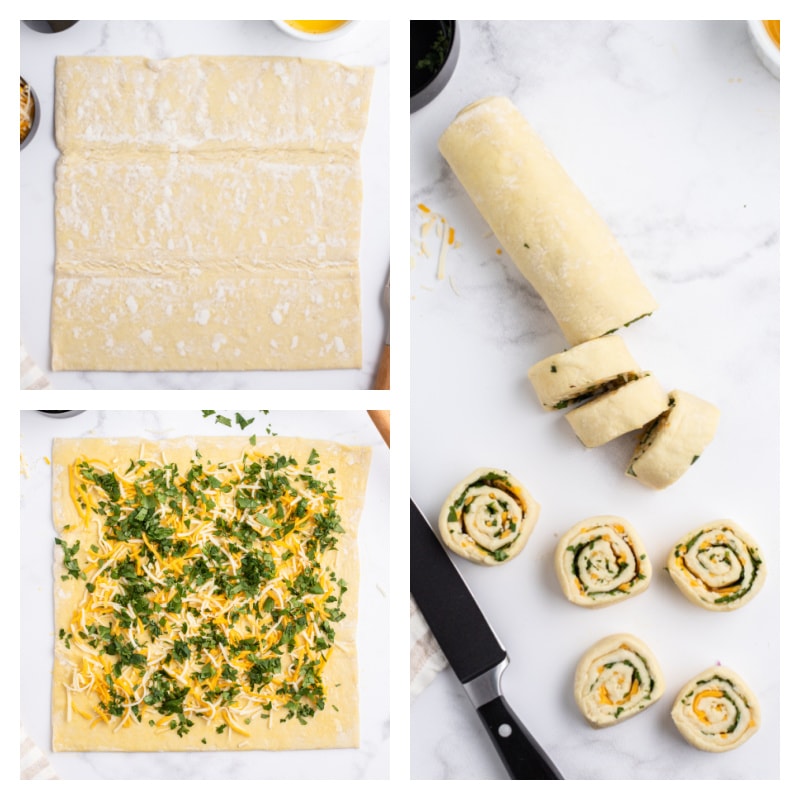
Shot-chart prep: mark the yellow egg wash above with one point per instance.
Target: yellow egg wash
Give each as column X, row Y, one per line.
column 773, row 27
column 316, row 25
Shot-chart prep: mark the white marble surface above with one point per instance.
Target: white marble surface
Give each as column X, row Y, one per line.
column 366, row 44
column 671, row 130
column 370, row 760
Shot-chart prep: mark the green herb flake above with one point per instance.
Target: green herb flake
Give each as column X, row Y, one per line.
column 158, row 507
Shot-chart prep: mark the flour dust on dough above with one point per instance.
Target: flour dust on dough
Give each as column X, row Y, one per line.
column 214, row 205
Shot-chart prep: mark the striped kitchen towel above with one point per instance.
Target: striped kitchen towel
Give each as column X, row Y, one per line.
column 30, row 376
column 427, row 659
column 33, row 764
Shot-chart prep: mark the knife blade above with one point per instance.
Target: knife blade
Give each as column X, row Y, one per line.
column 473, row 651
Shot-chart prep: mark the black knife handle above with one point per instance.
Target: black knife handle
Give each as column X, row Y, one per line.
column 521, row 753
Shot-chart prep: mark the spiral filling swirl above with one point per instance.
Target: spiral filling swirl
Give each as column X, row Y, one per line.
column 492, row 517
column 718, row 566
column 716, row 711
column 488, row 517
column 600, row 561
column 617, row 678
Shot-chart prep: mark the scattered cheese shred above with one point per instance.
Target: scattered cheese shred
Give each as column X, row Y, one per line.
column 435, row 226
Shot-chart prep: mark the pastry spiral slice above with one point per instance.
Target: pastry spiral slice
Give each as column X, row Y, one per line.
column 619, row 411
column 617, row 678
column 601, row 561
column 674, row 441
column 718, row 566
column 582, row 371
column 488, row 517
column 716, row 711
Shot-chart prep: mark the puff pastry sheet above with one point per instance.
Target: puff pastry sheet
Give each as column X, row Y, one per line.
column 337, row 725
column 208, row 213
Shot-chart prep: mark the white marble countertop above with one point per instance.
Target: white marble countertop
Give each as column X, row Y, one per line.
column 370, row 760
column 366, row 44
column 671, row 130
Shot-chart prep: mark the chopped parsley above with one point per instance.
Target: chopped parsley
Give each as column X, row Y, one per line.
column 207, row 594
column 239, row 418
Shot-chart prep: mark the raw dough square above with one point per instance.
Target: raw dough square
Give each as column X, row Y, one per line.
column 208, row 213
column 102, row 523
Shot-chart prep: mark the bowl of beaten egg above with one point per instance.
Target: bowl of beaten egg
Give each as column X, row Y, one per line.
column 765, row 35
column 316, row 30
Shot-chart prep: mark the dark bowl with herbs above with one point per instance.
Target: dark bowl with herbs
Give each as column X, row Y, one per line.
column 434, row 53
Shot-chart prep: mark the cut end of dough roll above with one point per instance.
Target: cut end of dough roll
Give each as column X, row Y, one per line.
column 619, row 411
column 674, row 441
column 582, row 371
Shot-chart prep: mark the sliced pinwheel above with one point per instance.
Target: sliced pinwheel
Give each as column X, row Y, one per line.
column 582, row 372
column 488, row 517
column 619, row 411
column 617, row 678
column 716, row 711
column 600, row 561
column 718, row 566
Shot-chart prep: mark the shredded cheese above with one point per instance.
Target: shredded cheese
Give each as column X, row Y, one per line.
column 205, row 599
column 434, row 226
column 26, row 110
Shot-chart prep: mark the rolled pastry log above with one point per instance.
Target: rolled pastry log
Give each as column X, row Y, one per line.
column 544, row 222
column 627, row 408
column 674, row 441
column 617, row 678
column 718, row 566
column 488, row 517
column 601, row 561
column 716, row 711
column 582, row 371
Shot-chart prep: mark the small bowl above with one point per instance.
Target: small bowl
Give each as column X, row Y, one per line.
column 36, row 114
column 434, row 53
column 310, row 36
column 49, row 25
column 765, row 47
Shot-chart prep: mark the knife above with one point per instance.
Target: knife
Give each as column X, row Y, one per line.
column 474, row 652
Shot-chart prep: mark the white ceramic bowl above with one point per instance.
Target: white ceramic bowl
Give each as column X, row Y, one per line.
column 765, row 48
column 314, row 37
